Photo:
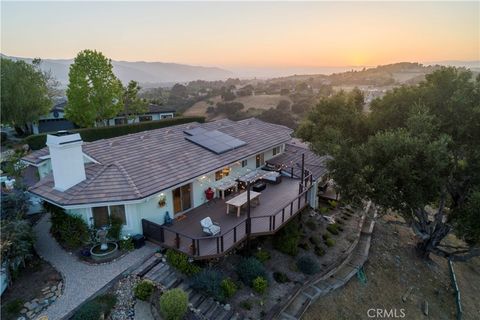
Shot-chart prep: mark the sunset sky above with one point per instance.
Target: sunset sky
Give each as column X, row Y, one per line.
column 252, row 34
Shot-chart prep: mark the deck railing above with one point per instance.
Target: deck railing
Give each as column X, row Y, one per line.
column 215, row 246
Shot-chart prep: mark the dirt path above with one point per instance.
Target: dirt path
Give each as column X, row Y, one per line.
column 391, row 270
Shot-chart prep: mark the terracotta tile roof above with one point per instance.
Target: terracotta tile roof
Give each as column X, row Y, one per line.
column 138, row 165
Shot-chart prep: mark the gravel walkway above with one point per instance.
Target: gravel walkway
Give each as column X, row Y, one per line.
column 81, row 280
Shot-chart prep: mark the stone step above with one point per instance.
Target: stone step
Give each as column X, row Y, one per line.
column 230, row 315
column 153, row 271
column 145, row 267
column 166, row 277
column 297, row 305
column 173, row 283
column 205, row 305
column 161, row 273
column 197, row 299
column 216, row 313
column 286, row 316
column 209, row 308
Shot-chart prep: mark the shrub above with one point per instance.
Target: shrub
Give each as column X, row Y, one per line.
column 229, row 288
column 126, row 244
column 304, row 246
column 330, row 242
column 246, row 304
column 70, row 230
column 260, row 285
column 174, row 304
column 91, row 134
column 89, row 311
column 17, row 239
column 311, row 224
column 262, row 255
column 250, row 268
column 280, row 277
column 333, row 228
column 209, row 281
column 288, row 238
column 92, row 310
column 116, row 225
column 308, row 265
column 319, row 251
column 333, row 204
column 324, row 210
column 13, row 307
column 325, row 236
column 314, row 240
column 144, row 289
column 180, row 262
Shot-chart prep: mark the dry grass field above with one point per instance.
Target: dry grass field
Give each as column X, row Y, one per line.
column 263, row 101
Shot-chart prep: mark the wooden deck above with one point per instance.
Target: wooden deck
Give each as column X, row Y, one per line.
column 278, row 204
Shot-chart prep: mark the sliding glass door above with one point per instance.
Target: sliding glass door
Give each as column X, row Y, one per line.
column 182, row 198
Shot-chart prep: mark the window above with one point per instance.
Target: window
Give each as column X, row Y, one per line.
column 119, row 121
column 260, row 160
column 144, row 118
column 244, row 163
column 276, row 151
column 101, row 215
column 220, row 174
column 166, row 116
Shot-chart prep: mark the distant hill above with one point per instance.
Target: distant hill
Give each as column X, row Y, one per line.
column 143, row 72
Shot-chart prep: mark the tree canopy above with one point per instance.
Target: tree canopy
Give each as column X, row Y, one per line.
column 94, row 92
column 24, row 94
column 134, row 105
column 416, row 152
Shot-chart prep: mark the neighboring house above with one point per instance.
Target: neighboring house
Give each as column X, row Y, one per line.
column 56, row 121
column 149, row 178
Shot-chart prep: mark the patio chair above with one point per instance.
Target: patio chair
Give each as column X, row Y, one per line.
column 209, row 227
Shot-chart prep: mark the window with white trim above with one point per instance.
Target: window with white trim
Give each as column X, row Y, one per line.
column 276, row 150
column 244, row 163
column 102, row 215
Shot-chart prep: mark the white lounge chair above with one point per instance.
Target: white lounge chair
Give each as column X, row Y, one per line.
column 209, row 227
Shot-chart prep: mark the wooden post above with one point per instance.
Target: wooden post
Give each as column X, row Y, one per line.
column 248, row 209
column 303, row 172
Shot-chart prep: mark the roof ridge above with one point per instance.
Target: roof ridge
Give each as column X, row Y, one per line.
column 128, row 178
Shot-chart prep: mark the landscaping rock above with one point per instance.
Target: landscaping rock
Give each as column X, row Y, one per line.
column 30, row 314
column 21, row 318
column 49, row 295
column 53, row 288
column 24, row 310
column 31, row 305
column 227, row 307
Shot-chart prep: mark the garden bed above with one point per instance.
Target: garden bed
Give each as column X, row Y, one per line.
column 30, row 288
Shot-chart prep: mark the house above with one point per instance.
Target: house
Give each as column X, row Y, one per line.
column 153, row 178
column 55, row 120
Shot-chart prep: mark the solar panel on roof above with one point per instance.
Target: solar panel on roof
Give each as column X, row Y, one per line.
column 215, row 140
column 195, row 131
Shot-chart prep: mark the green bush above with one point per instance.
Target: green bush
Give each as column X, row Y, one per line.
column 209, row 281
column 308, row 265
column 144, row 289
column 325, row 236
column 333, row 228
column 324, row 210
column 330, row 242
column 91, row 134
column 260, row 285
column 13, row 307
column 280, row 277
column 288, row 238
column 304, row 246
column 262, row 255
column 174, row 304
column 246, row 304
column 70, row 230
column 89, row 311
column 116, row 226
column 311, row 224
column 93, row 310
column 333, row 204
column 229, row 288
column 314, row 240
column 180, row 262
column 126, row 244
column 250, row 268
column 319, row 251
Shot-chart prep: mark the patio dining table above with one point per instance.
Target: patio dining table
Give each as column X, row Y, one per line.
column 241, row 199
